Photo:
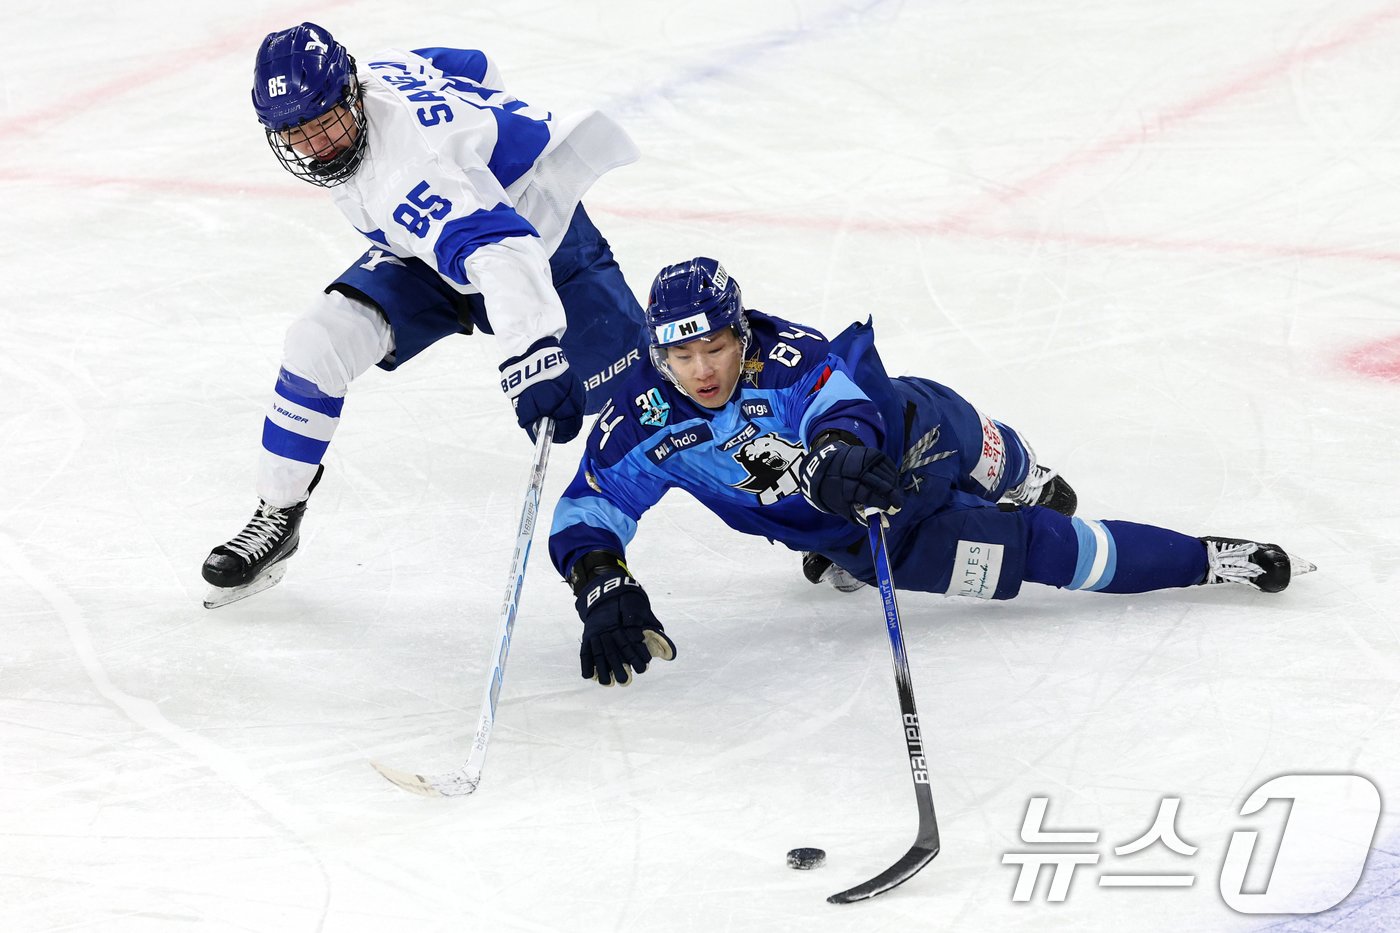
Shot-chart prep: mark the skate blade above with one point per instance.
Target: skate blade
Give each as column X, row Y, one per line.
column 1298, row 565
column 223, row 595
column 841, row 580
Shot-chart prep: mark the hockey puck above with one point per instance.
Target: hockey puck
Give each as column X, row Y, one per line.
column 805, row 859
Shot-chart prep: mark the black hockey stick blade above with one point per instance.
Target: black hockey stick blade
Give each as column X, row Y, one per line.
column 892, row 877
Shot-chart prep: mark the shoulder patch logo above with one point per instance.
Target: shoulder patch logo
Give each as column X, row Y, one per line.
column 655, row 410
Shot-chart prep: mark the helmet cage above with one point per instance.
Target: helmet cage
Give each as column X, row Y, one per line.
column 350, row 121
column 305, row 95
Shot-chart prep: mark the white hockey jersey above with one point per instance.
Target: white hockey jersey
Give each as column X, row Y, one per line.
column 475, row 183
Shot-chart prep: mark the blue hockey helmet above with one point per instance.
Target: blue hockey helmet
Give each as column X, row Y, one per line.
column 301, row 74
column 693, row 300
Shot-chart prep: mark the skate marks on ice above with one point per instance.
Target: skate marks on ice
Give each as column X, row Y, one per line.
column 230, row 768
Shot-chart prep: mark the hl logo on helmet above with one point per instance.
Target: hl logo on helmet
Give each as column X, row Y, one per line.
column 693, row 326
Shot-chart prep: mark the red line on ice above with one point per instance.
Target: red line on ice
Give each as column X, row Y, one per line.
column 173, row 62
column 1157, row 125
column 957, row 224
column 1377, row 360
column 943, row 228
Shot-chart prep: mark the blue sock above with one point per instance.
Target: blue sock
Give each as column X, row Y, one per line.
column 1109, row 556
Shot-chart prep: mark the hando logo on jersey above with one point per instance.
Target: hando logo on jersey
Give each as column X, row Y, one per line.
column 679, row 441
column 771, row 463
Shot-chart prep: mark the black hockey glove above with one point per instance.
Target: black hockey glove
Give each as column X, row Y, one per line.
column 842, row 476
column 620, row 634
column 540, row 384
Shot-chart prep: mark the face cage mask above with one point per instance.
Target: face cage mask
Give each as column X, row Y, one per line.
column 338, row 169
column 663, row 365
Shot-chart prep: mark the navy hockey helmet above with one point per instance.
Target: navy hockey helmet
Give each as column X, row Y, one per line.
column 693, row 300
column 301, row 74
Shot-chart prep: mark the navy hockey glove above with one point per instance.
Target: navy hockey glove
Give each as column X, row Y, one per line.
column 842, row 476
column 540, row 384
column 620, row 634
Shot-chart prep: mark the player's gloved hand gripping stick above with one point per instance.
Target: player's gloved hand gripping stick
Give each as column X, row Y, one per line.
column 465, row 779
column 540, row 384
column 842, row 476
column 926, row 843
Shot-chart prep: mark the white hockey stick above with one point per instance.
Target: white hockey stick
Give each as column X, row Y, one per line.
column 465, row 779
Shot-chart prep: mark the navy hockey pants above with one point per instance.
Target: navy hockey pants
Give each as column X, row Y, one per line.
column 951, row 537
column 606, row 332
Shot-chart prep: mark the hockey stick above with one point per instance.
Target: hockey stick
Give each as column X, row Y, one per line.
column 465, row 779
column 926, row 842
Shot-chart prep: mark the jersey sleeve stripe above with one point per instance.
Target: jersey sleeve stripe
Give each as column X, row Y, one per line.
column 464, row 63
column 375, row 236
column 596, row 512
column 465, row 235
column 519, row 142
column 838, row 400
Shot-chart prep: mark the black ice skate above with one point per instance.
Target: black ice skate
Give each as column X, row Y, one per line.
column 256, row 557
column 1265, row 567
column 817, row 569
column 1045, row 487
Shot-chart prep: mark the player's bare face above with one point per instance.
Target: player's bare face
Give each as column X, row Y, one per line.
column 708, row 369
column 325, row 137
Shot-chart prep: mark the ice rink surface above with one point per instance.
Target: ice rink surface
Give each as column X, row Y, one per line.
column 1159, row 239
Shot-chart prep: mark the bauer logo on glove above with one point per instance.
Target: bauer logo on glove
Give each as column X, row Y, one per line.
column 540, row 384
column 620, row 634
column 519, row 372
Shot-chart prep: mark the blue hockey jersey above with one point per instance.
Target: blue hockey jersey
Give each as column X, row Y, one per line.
column 741, row 461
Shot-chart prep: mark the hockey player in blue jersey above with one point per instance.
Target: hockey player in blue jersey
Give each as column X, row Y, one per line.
column 784, row 434
column 470, row 202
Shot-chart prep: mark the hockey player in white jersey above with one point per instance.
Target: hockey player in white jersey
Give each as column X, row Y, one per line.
column 470, row 201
